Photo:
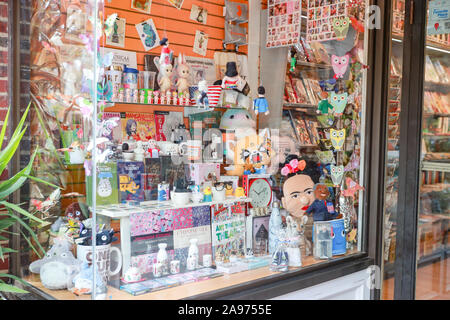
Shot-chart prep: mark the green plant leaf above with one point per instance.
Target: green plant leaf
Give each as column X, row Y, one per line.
column 20, row 210
column 21, row 122
column 27, row 227
column 7, row 275
column 47, row 136
column 7, row 153
column 9, row 288
column 6, row 223
column 7, row 187
column 43, row 181
column 31, row 245
column 5, row 125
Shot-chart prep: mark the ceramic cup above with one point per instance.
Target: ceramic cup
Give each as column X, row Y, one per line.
column 180, row 198
column 103, row 257
column 218, row 195
column 191, row 149
column 174, row 266
column 207, row 260
column 168, row 148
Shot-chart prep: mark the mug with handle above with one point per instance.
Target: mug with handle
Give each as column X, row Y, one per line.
column 192, row 149
column 103, row 257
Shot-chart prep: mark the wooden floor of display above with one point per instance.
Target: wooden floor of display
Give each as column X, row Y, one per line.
column 178, row 292
column 432, row 282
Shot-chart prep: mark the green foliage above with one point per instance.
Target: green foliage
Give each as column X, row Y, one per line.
column 14, row 213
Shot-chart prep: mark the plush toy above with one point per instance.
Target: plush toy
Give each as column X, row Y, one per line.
column 240, row 121
column 250, row 155
column 183, row 76
column 202, row 98
column 58, row 267
column 73, row 211
column 260, row 104
column 322, row 209
column 298, row 190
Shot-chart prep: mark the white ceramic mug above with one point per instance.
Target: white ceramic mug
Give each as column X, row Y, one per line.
column 180, row 198
column 168, row 148
column 192, row 149
column 219, row 195
column 103, row 257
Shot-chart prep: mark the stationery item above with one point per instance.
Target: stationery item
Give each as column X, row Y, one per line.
column 130, row 180
column 148, row 34
column 283, row 23
column 130, row 78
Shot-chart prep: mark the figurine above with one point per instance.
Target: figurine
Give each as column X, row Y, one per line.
column 232, row 78
column 322, row 209
column 83, row 282
column 139, row 152
column 166, row 52
column 183, row 76
column 163, row 258
column 293, row 60
column 207, row 194
column 293, row 241
column 202, row 99
column 165, row 73
column 260, row 104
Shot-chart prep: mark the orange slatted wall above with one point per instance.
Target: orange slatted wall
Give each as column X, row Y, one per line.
column 173, row 24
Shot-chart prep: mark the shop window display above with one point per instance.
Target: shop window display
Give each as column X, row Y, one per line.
column 165, row 174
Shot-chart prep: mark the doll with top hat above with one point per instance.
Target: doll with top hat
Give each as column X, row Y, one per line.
column 232, row 78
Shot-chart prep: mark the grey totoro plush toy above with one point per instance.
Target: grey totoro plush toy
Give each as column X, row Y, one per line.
column 58, row 267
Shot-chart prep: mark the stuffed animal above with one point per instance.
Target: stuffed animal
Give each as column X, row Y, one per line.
column 250, row 155
column 183, row 76
column 298, row 189
column 322, row 209
column 240, row 121
column 58, row 267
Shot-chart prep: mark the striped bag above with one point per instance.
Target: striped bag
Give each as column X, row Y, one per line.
column 213, row 95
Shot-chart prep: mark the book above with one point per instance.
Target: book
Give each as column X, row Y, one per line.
column 129, row 175
column 200, row 122
column 138, row 126
column 151, row 178
column 166, row 122
column 115, row 135
column 106, row 186
column 227, row 232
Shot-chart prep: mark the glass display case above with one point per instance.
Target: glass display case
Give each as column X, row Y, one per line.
column 161, row 181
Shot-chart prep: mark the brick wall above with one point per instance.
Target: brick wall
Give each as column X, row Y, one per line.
column 4, row 97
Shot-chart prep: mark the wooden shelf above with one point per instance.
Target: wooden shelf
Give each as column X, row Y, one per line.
column 436, row 115
column 313, row 65
column 300, row 105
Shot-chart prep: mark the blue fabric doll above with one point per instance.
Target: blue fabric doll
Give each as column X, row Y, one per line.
column 260, row 104
column 321, row 209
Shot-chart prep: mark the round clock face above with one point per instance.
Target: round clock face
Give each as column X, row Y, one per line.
column 260, row 193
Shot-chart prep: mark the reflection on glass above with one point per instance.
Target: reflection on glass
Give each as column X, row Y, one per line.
column 392, row 158
column 434, row 206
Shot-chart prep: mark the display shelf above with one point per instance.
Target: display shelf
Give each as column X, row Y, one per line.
column 436, row 166
column 113, row 211
column 313, row 64
column 437, row 115
column 187, row 290
column 299, row 105
column 437, row 86
column 397, row 38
